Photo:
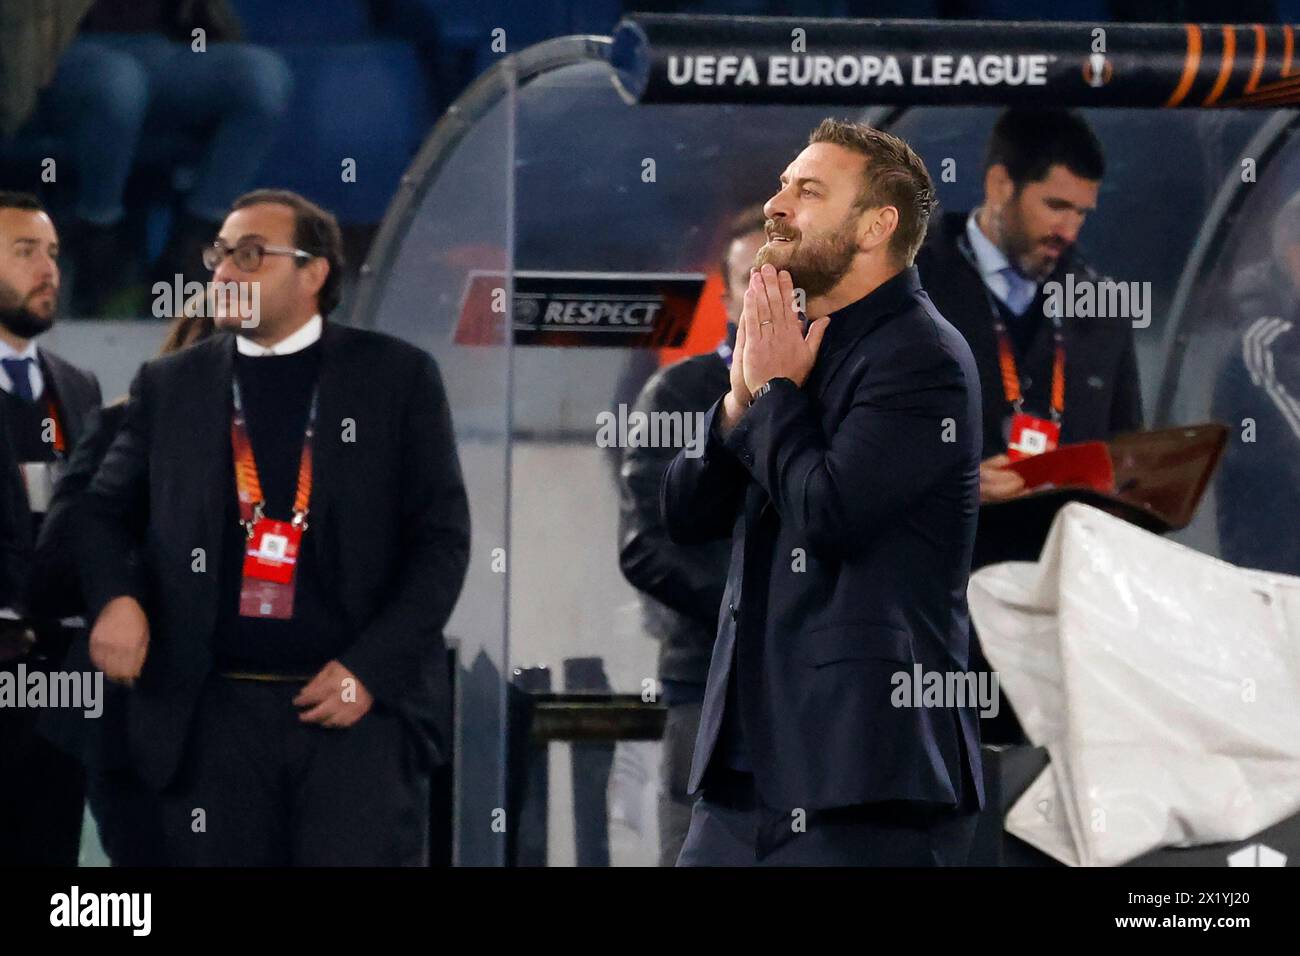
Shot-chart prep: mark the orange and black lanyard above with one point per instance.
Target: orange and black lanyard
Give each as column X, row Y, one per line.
column 1007, row 356
column 60, row 445
column 1011, row 377
column 252, row 504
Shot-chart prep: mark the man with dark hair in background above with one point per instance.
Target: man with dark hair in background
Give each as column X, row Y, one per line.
column 986, row 270
column 295, row 495
column 843, row 461
column 44, row 404
column 681, row 585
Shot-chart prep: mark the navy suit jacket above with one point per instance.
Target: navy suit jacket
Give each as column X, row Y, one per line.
column 852, row 503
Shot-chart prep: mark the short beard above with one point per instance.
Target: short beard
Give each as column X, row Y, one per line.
column 1018, row 247
column 819, row 264
column 18, row 319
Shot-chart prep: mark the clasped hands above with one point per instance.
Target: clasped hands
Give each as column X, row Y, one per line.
column 770, row 342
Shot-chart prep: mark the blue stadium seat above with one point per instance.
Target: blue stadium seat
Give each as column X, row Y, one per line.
column 304, row 21
column 363, row 101
column 1077, row 11
column 468, row 24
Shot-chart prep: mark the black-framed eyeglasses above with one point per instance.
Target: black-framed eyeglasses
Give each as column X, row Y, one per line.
column 247, row 256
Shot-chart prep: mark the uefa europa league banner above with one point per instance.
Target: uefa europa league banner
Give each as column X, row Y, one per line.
column 690, row 59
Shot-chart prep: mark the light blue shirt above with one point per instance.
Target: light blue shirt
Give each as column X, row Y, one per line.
column 1002, row 278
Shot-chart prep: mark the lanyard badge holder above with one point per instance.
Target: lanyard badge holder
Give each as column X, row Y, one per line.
column 1030, row 435
column 270, row 547
column 40, row 478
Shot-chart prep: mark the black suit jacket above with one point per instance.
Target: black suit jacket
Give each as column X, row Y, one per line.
column 389, row 519
column 681, row 587
column 869, row 474
column 27, row 588
column 56, row 577
column 15, row 526
column 98, row 743
column 1102, row 393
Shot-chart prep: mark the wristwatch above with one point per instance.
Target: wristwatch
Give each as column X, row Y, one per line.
column 765, row 388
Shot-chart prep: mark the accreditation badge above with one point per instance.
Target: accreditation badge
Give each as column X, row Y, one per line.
column 270, row 561
column 39, row 479
column 1031, row 436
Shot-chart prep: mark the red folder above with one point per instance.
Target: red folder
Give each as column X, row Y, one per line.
column 1153, row 479
column 1085, row 465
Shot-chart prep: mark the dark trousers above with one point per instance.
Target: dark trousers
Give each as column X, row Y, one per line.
column 731, row 827
column 42, row 795
column 261, row 788
column 126, row 812
column 685, row 703
column 124, row 808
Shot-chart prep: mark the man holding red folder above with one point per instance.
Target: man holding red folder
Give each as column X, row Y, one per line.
column 1047, row 380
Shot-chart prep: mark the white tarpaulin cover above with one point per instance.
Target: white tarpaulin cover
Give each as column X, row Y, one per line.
column 1164, row 683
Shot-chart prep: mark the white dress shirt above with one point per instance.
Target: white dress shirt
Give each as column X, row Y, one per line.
column 309, row 334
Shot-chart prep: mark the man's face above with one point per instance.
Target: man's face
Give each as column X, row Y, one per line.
column 284, row 288
column 29, row 272
column 813, row 221
column 1040, row 222
column 740, row 260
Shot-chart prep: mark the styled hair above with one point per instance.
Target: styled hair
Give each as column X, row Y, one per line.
column 315, row 230
column 1029, row 142
column 17, row 200
column 894, row 176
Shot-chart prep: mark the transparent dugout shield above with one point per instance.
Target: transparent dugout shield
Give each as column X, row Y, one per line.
column 1233, row 352
column 451, row 226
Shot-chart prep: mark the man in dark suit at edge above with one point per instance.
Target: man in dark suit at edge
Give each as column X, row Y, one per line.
column 844, row 462
column 45, row 402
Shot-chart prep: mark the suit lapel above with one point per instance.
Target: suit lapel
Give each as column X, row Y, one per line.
column 830, row 364
column 60, row 377
column 978, row 332
column 975, row 323
column 209, row 439
column 330, row 412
